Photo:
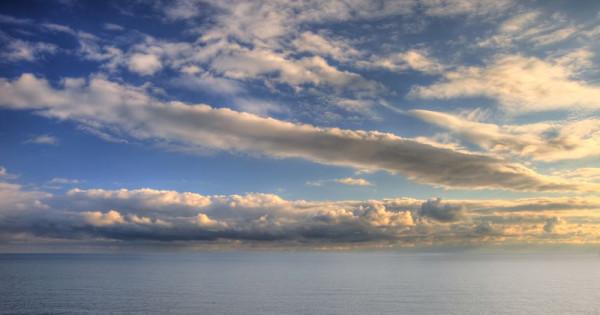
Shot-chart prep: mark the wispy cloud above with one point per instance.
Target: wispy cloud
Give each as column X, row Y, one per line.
column 43, row 139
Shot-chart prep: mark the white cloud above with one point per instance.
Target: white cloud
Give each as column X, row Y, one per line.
column 144, row 64
column 520, row 84
column 354, row 181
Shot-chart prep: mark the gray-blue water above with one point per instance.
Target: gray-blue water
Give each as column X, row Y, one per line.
column 300, row 283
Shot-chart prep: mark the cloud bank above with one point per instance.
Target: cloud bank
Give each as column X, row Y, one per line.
column 149, row 215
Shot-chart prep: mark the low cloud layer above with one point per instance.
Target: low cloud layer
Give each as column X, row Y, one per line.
column 159, row 215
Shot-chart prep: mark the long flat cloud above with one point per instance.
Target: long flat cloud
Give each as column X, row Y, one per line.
column 105, row 105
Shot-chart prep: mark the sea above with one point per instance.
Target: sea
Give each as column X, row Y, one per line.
column 300, row 282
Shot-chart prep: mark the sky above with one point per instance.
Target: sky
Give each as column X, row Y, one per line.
column 331, row 124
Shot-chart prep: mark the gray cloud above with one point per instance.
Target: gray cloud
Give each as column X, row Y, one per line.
column 437, row 210
column 551, row 224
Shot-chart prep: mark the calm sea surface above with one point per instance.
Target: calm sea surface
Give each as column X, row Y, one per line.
column 299, row 283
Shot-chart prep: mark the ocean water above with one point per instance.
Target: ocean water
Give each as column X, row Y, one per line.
column 299, row 283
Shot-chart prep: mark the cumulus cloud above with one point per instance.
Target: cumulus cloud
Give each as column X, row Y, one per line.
column 132, row 111
column 437, row 210
column 144, row 64
column 98, row 218
column 547, row 141
column 520, row 84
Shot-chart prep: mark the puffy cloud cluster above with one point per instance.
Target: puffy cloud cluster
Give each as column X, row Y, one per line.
column 159, row 215
column 281, row 44
column 105, row 105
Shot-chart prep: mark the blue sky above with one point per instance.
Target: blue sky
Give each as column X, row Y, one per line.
column 344, row 106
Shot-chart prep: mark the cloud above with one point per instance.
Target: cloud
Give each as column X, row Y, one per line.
column 435, row 209
column 520, row 84
column 354, row 181
column 163, row 215
column 97, row 218
column 144, row 64
column 519, row 22
column 43, row 139
column 551, row 224
column 113, row 27
column 6, row 19
column 465, row 7
column 547, row 141
column 133, row 112
column 276, row 42
column 323, row 46
column 416, row 60
column 532, row 28
column 59, row 182
column 13, row 199
column 350, row 181
column 246, row 64
column 584, row 174
column 19, row 50
column 207, row 82
column 555, row 36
